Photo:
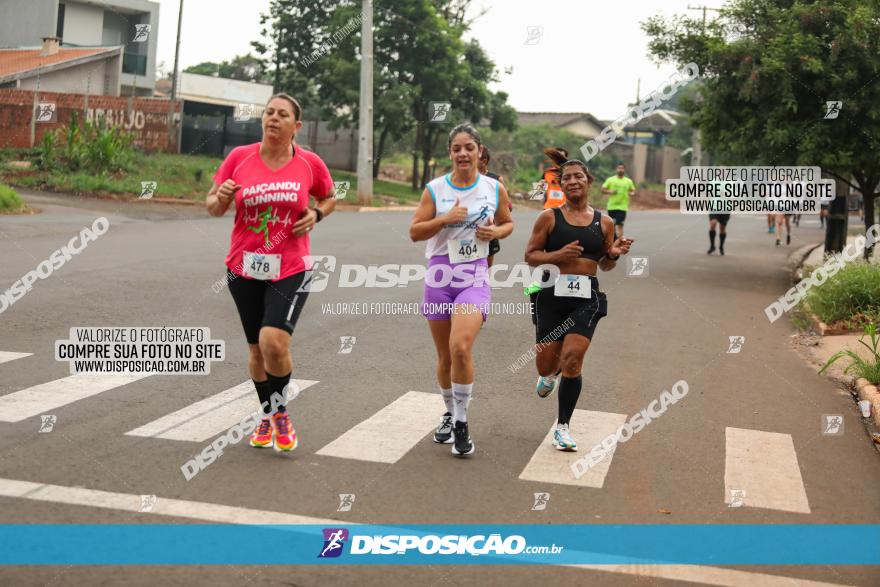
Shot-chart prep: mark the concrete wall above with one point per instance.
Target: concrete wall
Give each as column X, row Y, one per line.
column 98, row 78
column 583, row 129
column 25, row 23
column 83, row 24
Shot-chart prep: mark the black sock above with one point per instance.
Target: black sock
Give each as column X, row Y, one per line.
column 712, row 239
column 721, row 238
column 569, row 392
column 276, row 386
column 263, row 393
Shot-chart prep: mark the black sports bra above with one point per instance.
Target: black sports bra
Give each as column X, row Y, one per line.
column 590, row 236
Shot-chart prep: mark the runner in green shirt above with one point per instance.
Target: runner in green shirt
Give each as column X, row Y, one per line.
column 620, row 188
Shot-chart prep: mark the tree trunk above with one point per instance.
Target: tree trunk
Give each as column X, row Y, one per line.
column 420, row 131
column 427, row 151
column 377, row 153
column 868, row 197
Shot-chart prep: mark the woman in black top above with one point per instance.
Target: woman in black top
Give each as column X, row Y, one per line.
column 483, row 168
column 578, row 240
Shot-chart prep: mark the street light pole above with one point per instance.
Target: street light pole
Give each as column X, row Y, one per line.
column 176, row 74
column 365, row 126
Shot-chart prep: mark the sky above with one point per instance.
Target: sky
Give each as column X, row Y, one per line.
column 584, row 56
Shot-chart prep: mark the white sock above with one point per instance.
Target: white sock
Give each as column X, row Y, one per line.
column 447, row 399
column 461, row 392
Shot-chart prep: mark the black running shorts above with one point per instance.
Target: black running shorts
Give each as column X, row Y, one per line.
column 619, row 216
column 556, row 316
column 721, row 218
column 267, row 303
column 494, row 246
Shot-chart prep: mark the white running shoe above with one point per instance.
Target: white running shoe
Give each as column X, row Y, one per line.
column 547, row 385
column 562, row 439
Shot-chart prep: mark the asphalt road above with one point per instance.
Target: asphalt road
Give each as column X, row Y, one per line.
column 754, row 418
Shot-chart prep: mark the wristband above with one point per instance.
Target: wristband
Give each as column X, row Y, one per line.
column 319, row 214
column 610, row 258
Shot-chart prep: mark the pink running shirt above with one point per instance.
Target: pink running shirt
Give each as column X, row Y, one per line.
column 269, row 203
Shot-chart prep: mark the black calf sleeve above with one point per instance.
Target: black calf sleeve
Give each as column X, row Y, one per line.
column 569, row 392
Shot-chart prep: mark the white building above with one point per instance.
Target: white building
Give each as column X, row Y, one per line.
column 133, row 24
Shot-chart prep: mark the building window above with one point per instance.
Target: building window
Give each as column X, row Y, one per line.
column 59, row 30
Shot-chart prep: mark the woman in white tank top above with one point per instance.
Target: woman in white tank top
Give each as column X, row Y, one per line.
column 458, row 215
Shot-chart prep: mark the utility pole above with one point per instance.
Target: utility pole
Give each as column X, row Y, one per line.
column 176, row 74
column 175, row 77
column 365, row 126
column 704, row 8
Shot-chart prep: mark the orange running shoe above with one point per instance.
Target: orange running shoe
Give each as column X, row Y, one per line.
column 261, row 437
column 285, row 435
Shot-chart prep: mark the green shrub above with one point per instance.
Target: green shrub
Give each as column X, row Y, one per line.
column 85, row 146
column 852, row 296
column 9, row 199
column 870, row 368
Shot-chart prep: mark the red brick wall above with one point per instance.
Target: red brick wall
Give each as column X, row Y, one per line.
column 145, row 118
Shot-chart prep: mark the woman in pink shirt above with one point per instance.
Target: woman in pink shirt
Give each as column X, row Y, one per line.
column 270, row 183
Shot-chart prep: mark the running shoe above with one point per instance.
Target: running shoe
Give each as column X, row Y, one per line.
column 261, row 437
column 443, row 434
column 463, row 445
column 285, row 435
column 547, row 385
column 721, row 250
column 778, row 242
column 562, row 439
column 711, row 250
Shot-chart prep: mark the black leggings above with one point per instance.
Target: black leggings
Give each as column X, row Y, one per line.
column 267, row 303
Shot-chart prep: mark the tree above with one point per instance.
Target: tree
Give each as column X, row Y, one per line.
column 242, row 67
column 419, row 57
column 769, row 67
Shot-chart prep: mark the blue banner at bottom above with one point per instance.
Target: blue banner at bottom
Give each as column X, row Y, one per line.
column 218, row 544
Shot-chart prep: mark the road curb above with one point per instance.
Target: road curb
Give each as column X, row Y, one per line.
column 796, row 260
column 869, row 392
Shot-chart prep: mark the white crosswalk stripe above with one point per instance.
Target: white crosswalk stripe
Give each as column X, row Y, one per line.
column 49, row 396
column 762, row 468
column 588, row 428
column 208, row 417
column 387, row 435
column 6, row 356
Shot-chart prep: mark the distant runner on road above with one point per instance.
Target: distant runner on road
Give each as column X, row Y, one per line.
column 621, row 189
column 578, row 240
column 485, row 157
column 458, row 215
column 270, row 183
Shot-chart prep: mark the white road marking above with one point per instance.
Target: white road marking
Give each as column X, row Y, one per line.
column 208, row 417
column 588, row 428
column 6, row 356
column 211, row 512
column 391, row 432
column 49, row 396
column 764, row 465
